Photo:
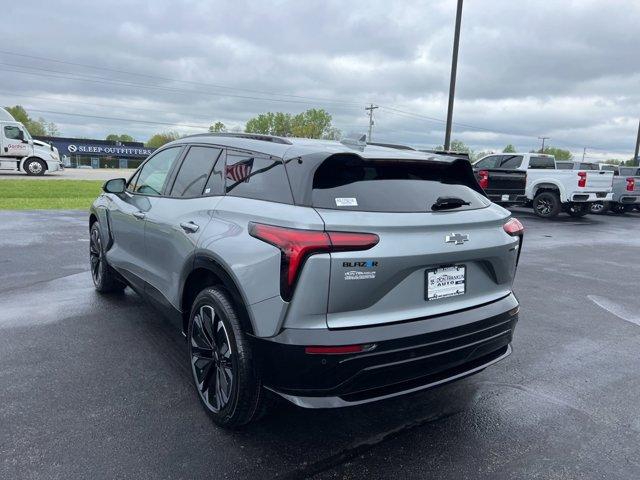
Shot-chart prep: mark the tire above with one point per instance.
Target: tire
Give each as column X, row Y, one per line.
column 546, row 204
column 35, row 167
column 224, row 373
column 578, row 210
column 599, row 208
column 620, row 209
column 105, row 279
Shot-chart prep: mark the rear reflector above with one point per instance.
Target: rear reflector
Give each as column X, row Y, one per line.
column 582, row 179
column 339, row 349
column 514, row 228
column 297, row 245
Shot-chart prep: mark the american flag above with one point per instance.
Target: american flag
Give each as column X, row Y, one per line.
column 239, row 172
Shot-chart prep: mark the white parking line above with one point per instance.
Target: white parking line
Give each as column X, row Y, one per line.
column 615, row 309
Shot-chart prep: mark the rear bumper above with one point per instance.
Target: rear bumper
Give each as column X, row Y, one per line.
column 591, row 197
column 396, row 366
column 627, row 199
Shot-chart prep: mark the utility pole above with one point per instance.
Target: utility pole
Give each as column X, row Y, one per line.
column 543, row 139
column 584, row 152
column 635, row 155
column 370, row 108
column 454, row 69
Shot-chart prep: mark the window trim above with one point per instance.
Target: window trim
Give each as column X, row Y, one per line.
column 188, row 147
column 178, row 159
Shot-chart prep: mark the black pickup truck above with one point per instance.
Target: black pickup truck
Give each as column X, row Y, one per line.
column 498, row 177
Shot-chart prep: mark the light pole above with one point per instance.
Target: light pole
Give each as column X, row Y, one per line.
column 454, row 69
column 635, row 155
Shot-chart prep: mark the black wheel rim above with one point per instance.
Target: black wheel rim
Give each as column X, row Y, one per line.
column 95, row 255
column 211, row 359
column 544, row 207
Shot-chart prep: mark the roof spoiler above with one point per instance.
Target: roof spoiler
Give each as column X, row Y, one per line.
column 358, row 141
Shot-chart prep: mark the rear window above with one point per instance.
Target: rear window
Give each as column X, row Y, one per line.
column 564, row 165
column 351, row 183
column 542, row 162
column 630, row 172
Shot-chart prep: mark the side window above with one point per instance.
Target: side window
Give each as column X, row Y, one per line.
column 194, row 171
column 511, row 161
column 542, row 163
column 491, row 161
column 12, row 132
column 153, row 175
column 256, row 176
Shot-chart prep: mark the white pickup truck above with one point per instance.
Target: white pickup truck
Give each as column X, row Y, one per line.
column 549, row 190
column 20, row 152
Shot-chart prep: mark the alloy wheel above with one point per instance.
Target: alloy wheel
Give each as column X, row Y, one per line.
column 35, row 167
column 211, row 359
column 544, row 207
column 95, row 256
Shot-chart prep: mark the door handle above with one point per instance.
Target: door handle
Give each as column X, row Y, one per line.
column 189, row 227
column 139, row 215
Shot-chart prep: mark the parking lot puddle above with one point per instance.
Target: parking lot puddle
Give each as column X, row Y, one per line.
column 616, row 309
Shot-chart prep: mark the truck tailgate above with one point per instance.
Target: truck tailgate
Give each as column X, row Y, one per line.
column 599, row 180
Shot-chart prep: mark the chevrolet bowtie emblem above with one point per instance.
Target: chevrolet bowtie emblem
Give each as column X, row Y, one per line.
column 456, row 238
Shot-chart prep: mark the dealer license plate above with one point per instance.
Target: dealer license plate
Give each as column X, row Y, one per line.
column 444, row 282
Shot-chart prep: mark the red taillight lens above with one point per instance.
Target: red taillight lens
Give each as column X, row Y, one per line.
column 483, row 179
column 297, row 245
column 582, row 179
column 514, row 228
column 631, row 184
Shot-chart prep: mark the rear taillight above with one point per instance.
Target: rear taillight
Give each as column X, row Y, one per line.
column 514, row 228
column 582, row 179
column 297, row 245
column 483, row 179
column 631, row 184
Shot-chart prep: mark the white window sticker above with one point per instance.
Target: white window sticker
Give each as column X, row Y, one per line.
column 207, row 190
column 346, row 202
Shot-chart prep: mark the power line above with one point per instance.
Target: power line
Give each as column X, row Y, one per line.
column 159, row 77
column 371, row 108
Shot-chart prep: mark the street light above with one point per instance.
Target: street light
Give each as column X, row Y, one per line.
column 452, row 83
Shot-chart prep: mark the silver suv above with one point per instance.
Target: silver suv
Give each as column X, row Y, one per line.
column 329, row 274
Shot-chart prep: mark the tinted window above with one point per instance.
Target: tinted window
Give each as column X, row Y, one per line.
column 511, row 161
column 542, row 162
column 194, row 171
column 12, row 133
column 256, row 176
column 489, row 162
column 564, row 165
column 588, row 166
column 131, row 184
column 348, row 183
column 609, row 168
column 154, row 172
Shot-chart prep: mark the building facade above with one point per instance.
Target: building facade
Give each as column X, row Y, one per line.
column 86, row 153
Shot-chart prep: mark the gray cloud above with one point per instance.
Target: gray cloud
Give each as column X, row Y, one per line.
column 569, row 70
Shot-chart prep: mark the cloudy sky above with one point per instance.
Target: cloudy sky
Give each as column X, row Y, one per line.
column 569, row 70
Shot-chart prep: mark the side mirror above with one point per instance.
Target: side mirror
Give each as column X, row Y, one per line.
column 115, row 185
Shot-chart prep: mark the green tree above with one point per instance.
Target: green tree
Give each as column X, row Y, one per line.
column 159, row 139
column 39, row 127
column 457, row 146
column 559, row 153
column 218, row 127
column 313, row 123
column 509, row 149
column 114, row 137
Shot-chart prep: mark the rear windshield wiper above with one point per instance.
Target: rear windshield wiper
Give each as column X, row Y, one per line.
column 445, row 203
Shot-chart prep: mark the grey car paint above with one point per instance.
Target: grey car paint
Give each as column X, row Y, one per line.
column 148, row 243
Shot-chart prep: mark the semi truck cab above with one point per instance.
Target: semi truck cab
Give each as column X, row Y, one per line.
column 19, row 152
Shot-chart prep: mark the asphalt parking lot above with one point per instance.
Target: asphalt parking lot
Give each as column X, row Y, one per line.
column 98, row 387
column 73, row 174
